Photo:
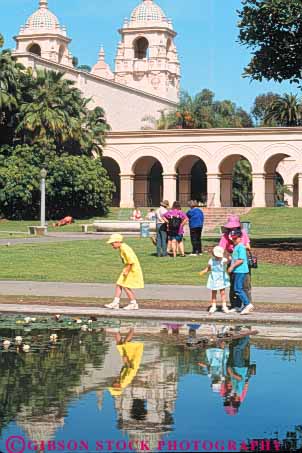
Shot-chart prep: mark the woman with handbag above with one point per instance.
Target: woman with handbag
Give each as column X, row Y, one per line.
column 226, row 243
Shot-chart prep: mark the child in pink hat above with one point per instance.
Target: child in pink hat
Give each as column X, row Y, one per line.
column 225, row 241
column 227, row 244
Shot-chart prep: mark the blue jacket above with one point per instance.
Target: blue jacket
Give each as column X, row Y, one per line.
column 196, row 218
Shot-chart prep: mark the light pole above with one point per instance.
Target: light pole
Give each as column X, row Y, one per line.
column 43, row 174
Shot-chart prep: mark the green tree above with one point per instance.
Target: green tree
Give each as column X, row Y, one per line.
column 272, row 29
column 285, row 111
column 203, row 112
column 75, row 185
column 50, row 111
column 10, row 75
column 45, row 122
column 242, row 183
column 84, row 67
column 261, row 106
column 94, row 128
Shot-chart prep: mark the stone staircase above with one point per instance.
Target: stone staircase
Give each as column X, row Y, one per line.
column 216, row 217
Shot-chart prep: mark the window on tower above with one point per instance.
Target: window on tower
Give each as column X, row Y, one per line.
column 34, row 48
column 141, row 47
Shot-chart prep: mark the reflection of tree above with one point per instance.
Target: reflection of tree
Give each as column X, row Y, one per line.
column 42, row 382
column 286, row 349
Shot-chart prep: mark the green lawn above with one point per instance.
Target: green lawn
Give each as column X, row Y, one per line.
column 95, row 261
column 275, row 221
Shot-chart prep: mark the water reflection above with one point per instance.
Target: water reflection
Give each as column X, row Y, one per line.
column 143, row 369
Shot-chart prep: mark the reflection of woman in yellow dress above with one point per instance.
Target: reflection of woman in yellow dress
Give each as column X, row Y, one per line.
column 131, row 354
column 131, row 277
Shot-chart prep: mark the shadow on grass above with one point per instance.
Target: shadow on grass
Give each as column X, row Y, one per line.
column 278, row 243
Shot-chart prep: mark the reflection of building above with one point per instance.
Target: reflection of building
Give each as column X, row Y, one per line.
column 39, row 428
column 145, row 408
column 149, row 165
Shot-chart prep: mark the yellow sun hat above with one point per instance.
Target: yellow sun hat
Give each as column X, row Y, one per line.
column 115, row 238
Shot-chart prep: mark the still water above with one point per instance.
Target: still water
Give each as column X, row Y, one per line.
column 145, row 387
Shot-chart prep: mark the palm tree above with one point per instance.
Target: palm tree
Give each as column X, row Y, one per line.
column 10, row 72
column 242, row 183
column 51, row 109
column 94, row 130
column 1, row 41
column 285, row 111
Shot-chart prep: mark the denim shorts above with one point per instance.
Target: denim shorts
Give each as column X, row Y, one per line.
column 175, row 237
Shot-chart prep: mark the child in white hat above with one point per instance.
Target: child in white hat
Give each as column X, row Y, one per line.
column 218, row 279
column 131, row 276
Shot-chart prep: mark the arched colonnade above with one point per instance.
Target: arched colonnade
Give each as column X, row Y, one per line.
column 147, row 174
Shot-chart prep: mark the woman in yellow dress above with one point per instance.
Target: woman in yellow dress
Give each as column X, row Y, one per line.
column 131, row 276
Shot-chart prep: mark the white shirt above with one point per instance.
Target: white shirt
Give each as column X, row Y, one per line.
column 159, row 213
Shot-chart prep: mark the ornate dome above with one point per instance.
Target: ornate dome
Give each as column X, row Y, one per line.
column 43, row 19
column 148, row 11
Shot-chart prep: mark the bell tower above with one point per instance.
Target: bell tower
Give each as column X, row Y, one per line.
column 146, row 57
column 43, row 36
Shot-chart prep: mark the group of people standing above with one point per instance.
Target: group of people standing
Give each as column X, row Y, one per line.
column 170, row 224
column 228, row 267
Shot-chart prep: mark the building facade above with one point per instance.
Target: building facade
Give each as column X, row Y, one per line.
column 198, row 164
column 147, row 165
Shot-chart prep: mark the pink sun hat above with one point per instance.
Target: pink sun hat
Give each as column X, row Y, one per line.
column 233, row 222
column 230, row 410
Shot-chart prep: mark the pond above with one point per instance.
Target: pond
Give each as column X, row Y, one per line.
column 169, row 387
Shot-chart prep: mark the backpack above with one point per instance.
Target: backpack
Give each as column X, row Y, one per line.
column 174, row 224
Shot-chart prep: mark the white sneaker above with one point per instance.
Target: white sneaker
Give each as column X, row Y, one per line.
column 113, row 305
column 213, row 309
column 225, row 309
column 247, row 309
column 236, row 309
column 131, row 306
column 193, row 254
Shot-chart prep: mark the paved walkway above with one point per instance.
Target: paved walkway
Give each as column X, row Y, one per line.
column 151, row 292
column 167, row 315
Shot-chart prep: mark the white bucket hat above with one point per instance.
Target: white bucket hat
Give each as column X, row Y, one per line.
column 218, row 251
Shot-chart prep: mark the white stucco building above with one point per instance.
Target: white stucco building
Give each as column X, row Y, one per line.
column 147, row 165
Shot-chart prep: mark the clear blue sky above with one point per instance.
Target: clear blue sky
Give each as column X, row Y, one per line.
column 207, row 34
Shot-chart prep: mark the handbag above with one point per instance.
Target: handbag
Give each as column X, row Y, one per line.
column 252, row 260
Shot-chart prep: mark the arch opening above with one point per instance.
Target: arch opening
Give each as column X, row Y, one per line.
column 148, row 182
column 61, row 53
column 191, row 182
column 141, row 48
column 169, row 45
column 113, row 170
column 236, row 187
column 35, row 49
column 275, row 188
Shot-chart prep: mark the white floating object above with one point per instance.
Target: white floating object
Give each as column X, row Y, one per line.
column 18, row 339
column 53, row 338
column 6, row 343
column 27, row 320
column 84, row 327
column 26, row 347
column 79, row 321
